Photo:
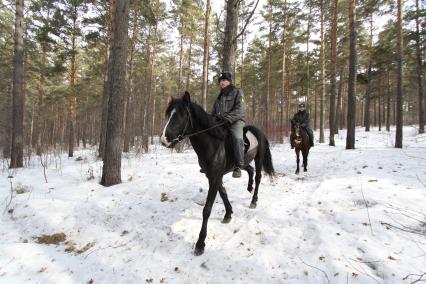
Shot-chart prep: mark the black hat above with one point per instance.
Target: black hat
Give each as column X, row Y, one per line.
column 225, row 76
column 302, row 105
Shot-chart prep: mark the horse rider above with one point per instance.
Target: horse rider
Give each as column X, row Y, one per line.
column 229, row 108
column 301, row 117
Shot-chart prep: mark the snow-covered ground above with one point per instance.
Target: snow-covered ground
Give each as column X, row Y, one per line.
column 307, row 228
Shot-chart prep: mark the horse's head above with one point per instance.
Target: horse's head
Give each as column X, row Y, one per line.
column 178, row 121
column 297, row 130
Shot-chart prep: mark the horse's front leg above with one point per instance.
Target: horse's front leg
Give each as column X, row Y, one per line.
column 228, row 207
column 305, row 161
column 298, row 160
column 199, row 246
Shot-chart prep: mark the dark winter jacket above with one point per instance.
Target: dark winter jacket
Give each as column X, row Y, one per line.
column 229, row 104
column 301, row 117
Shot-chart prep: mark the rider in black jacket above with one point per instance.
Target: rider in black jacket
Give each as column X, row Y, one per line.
column 229, row 108
column 301, row 117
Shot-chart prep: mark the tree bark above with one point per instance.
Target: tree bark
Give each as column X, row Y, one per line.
column 338, row 113
column 399, row 51
column 231, row 27
column 388, row 102
column 333, row 73
column 129, row 98
column 284, row 68
column 111, row 172
column 105, row 97
column 206, row 56
column 419, row 73
column 322, row 75
column 367, row 119
column 188, row 73
column 268, row 78
column 72, row 100
column 18, row 95
column 351, row 115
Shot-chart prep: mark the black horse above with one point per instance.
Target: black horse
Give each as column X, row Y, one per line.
column 301, row 143
column 213, row 146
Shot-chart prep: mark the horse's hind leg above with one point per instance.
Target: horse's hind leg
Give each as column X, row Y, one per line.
column 257, row 179
column 228, row 207
column 298, row 160
column 250, row 171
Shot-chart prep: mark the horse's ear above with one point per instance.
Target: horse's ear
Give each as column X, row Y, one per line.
column 186, row 97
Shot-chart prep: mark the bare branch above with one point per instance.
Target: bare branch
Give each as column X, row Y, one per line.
column 218, row 21
column 246, row 23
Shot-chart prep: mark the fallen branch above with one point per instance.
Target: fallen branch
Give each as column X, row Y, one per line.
column 417, row 275
column 409, row 230
column 11, row 194
column 368, row 212
column 325, row 274
column 102, row 248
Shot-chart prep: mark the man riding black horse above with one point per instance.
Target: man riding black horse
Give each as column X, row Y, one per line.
column 229, row 108
column 301, row 117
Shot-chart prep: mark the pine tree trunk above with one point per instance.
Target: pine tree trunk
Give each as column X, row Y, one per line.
column 72, row 100
column 229, row 42
column 322, row 75
column 338, row 113
column 180, row 63
column 287, row 99
column 268, row 78
column 188, row 73
column 388, row 103
column 111, row 172
column 105, row 96
column 284, row 75
column 18, row 95
column 308, row 38
column 351, row 112
column 128, row 135
column 419, row 73
column 399, row 51
column 367, row 119
column 333, row 74
column 206, row 56
column 380, row 109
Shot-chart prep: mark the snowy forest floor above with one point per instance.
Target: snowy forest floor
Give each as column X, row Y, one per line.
column 308, row 228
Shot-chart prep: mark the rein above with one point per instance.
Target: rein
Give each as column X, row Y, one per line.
column 189, row 121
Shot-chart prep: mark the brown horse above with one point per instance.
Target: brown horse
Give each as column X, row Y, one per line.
column 301, row 143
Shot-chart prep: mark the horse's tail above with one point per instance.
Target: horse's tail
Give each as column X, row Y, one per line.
column 266, row 156
column 268, row 167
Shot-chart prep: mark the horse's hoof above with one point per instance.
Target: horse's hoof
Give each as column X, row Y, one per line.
column 198, row 251
column 226, row 220
column 250, row 189
column 305, row 170
column 253, row 205
column 297, row 172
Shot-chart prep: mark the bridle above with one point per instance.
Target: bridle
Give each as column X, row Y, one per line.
column 182, row 136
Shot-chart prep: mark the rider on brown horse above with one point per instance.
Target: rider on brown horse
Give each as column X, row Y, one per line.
column 301, row 117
